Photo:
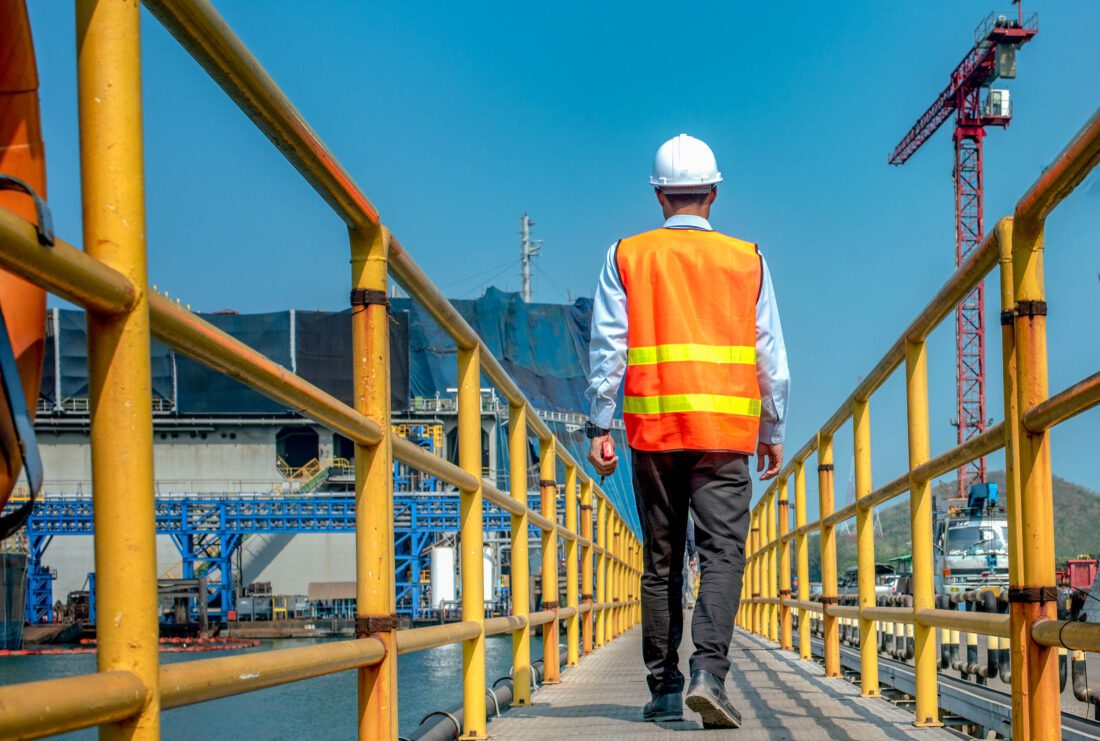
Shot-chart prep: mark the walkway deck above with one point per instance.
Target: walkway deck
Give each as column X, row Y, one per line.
column 779, row 697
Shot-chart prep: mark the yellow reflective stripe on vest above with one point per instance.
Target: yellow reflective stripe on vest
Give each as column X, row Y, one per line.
column 739, row 354
column 712, row 403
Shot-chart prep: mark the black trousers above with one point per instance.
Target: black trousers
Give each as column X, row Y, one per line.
column 716, row 488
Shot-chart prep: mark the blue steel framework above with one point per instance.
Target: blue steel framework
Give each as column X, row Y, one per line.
column 208, row 529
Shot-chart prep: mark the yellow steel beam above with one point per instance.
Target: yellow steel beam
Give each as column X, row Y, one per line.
column 865, row 549
column 828, row 553
column 520, row 573
column 802, row 558
column 471, row 533
column 54, row 706
column 572, row 625
column 1036, row 495
column 548, row 487
column 770, row 559
column 374, row 547
column 586, row 565
column 785, row 638
column 1019, row 638
column 189, row 682
column 601, row 570
column 113, row 185
column 920, row 521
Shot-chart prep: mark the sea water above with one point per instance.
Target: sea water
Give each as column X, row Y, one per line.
column 321, row 709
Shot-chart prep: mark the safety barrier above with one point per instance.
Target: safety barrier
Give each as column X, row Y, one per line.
column 1031, row 630
column 109, row 280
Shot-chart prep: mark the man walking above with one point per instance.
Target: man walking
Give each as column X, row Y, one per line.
column 689, row 317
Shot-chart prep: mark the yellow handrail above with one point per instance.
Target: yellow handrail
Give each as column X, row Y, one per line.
column 1015, row 245
column 109, row 281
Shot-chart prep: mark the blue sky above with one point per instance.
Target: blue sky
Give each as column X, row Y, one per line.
column 457, row 118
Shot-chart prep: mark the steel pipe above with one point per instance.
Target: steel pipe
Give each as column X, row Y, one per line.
column 1072, row 635
column 215, row 349
column 420, row 459
column 433, row 636
column 209, row 39
column 976, row 447
column 1060, row 177
column 990, row 624
column 1077, row 398
column 506, row 624
column 54, row 706
column 62, row 269
column 190, row 682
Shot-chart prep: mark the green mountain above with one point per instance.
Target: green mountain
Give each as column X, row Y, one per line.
column 1076, row 526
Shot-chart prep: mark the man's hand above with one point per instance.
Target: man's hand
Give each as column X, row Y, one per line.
column 603, row 466
column 774, row 454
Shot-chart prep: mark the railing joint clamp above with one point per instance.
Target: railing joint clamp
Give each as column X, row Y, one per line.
column 586, row 508
column 586, row 597
column 784, row 593
column 825, row 467
column 551, row 605
column 829, row 600
column 1031, row 308
column 1032, row 594
column 368, row 625
column 1007, row 317
column 548, row 482
column 368, row 297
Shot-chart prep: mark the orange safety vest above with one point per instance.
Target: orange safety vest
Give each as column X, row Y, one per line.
column 691, row 360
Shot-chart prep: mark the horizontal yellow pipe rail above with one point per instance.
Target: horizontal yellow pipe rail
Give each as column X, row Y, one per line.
column 63, row 269
column 190, row 682
column 842, row 611
column 54, row 706
column 1060, row 407
column 433, row 636
column 985, row 623
column 1060, row 178
column 1075, row 636
column 214, row 348
column 506, row 624
column 889, row 614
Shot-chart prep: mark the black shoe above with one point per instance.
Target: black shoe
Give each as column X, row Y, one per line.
column 707, row 696
column 667, row 707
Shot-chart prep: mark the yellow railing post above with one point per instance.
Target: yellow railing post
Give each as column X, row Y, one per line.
column 828, row 554
column 586, row 564
column 754, row 565
column 113, row 182
column 572, row 623
column 601, row 570
column 520, row 574
column 920, row 523
column 548, row 486
column 802, row 557
column 471, row 534
column 1019, row 629
column 1038, row 591
column 865, row 549
column 374, row 549
column 784, row 567
column 771, row 554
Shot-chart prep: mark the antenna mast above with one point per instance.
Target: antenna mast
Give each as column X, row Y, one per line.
column 528, row 248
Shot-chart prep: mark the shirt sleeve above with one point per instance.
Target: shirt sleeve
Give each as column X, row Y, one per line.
column 772, row 372
column 607, row 348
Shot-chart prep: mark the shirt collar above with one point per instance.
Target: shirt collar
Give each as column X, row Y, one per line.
column 687, row 221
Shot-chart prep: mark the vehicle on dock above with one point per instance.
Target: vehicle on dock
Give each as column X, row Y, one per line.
column 971, row 543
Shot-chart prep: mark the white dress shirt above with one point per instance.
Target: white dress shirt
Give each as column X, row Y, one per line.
column 607, row 350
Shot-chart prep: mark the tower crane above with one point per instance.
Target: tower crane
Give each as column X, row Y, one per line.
column 976, row 105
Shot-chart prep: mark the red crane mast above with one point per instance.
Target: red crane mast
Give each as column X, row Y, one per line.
column 993, row 56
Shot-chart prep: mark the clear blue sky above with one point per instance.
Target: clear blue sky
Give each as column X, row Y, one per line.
column 457, row 118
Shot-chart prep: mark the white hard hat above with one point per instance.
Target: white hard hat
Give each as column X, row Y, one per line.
column 685, row 164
